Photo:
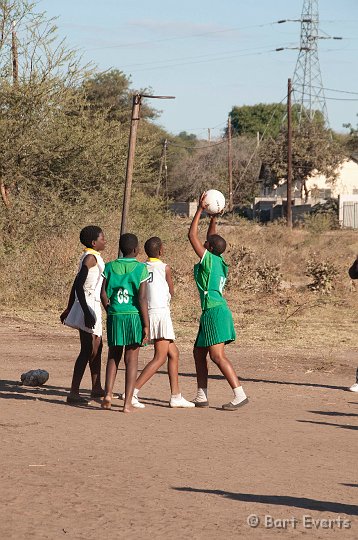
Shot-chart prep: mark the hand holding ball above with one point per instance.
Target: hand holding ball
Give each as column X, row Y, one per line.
column 213, row 201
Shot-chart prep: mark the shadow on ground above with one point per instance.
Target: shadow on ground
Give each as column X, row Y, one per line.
column 279, row 500
column 267, row 381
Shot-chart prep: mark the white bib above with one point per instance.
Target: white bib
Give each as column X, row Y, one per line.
column 158, row 294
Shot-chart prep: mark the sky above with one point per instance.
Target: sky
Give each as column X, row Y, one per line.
column 212, row 55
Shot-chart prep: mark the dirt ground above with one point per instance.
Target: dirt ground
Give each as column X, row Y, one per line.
column 85, row 473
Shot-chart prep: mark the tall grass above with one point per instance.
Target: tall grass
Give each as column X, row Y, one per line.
column 268, row 289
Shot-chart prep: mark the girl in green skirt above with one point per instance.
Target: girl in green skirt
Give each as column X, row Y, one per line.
column 124, row 296
column 216, row 322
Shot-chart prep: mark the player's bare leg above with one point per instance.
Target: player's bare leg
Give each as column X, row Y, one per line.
column 95, row 367
column 173, row 368
column 161, row 347
column 201, row 366
column 217, row 355
column 177, row 400
column 82, row 360
column 131, row 361
column 114, row 357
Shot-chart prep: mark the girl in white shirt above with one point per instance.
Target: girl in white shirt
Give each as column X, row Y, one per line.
column 84, row 313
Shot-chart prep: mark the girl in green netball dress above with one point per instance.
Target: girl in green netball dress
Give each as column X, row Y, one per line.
column 216, row 322
column 124, row 296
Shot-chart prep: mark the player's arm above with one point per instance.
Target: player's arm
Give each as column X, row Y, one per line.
column 193, row 231
column 212, row 226
column 143, row 308
column 104, row 297
column 168, row 277
column 71, row 300
column 89, row 262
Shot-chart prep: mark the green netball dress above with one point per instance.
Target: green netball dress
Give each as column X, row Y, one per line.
column 216, row 322
column 123, row 279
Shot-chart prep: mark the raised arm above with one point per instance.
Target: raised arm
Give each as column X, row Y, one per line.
column 212, row 226
column 193, row 231
column 143, row 308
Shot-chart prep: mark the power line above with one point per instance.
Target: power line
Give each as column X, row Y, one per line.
column 196, row 147
column 309, row 95
column 188, row 36
column 163, row 64
column 339, row 91
column 257, row 147
column 204, row 61
column 234, row 136
column 209, row 55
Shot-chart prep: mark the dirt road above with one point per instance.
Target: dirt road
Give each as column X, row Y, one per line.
column 84, row 473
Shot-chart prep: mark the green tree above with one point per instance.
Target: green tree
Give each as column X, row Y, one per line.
column 206, row 168
column 314, row 151
column 352, row 139
column 58, row 148
column 253, row 119
column 264, row 118
column 186, row 137
column 111, row 93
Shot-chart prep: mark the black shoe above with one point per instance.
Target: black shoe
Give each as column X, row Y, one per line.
column 201, row 404
column 77, row 400
column 231, row 407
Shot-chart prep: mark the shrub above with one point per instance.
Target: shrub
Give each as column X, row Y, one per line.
column 323, row 217
column 252, row 272
column 323, row 274
column 320, row 223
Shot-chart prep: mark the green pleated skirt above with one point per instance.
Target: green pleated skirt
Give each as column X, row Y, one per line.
column 124, row 329
column 216, row 326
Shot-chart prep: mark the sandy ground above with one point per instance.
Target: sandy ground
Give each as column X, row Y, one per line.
column 84, row 473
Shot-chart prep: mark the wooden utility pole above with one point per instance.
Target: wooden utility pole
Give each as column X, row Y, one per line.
column 15, row 55
column 162, row 161
column 137, row 99
column 166, row 176
column 209, row 135
column 136, row 104
column 289, row 155
column 229, row 164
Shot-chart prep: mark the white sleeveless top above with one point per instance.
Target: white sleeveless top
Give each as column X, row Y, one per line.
column 94, row 280
column 158, row 294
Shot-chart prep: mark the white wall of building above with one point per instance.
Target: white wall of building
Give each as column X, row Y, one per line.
column 346, row 183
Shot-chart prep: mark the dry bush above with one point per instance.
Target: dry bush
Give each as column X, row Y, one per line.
column 320, row 223
column 323, row 274
column 267, row 288
column 252, row 272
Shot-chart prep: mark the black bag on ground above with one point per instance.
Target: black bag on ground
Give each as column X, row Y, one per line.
column 353, row 271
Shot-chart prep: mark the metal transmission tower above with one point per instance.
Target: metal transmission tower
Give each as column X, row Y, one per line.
column 308, row 90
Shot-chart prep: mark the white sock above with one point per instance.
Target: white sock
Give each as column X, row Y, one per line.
column 176, row 396
column 135, row 392
column 201, row 395
column 239, row 395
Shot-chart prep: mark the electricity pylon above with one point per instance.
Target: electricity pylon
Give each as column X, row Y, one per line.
column 308, row 91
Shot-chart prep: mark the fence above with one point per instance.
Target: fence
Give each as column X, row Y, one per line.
column 348, row 211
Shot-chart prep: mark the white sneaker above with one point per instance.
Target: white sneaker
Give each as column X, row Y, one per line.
column 137, row 404
column 135, row 401
column 354, row 387
column 180, row 403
